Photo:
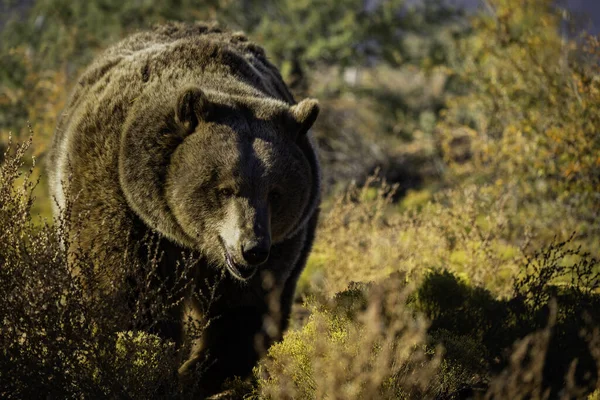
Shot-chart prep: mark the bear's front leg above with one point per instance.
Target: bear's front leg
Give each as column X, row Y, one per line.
column 231, row 345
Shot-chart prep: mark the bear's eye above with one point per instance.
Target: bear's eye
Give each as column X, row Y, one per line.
column 226, row 192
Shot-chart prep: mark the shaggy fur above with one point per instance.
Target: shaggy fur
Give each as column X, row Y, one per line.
column 190, row 132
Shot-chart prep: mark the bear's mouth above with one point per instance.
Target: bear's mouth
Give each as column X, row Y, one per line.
column 242, row 273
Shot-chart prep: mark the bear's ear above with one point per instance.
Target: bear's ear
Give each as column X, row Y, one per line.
column 192, row 106
column 304, row 115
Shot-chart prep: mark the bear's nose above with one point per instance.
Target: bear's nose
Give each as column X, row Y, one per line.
column 256, row 252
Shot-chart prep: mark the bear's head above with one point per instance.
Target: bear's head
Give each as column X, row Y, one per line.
column 228, row 176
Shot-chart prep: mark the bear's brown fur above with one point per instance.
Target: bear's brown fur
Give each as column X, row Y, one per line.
column 189, row 131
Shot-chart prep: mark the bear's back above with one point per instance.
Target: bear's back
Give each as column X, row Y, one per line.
column 170, row 51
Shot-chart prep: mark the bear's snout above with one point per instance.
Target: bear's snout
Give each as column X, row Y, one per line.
column 256, row 252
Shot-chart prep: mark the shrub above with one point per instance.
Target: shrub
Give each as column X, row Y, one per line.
column 545, row 317
column 363, row 237
column 476, row 345
column 57, row 337
column 345, row 353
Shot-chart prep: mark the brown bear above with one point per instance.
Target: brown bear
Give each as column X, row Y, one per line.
column 189, row 132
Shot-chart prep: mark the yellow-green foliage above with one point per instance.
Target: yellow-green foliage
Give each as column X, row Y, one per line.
column 348, row 353
column 141, row 358
column 528, row 119
column 362, row 239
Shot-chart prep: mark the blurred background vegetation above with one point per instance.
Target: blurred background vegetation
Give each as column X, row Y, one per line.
column 482, row 126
